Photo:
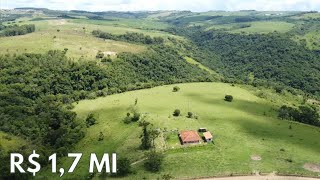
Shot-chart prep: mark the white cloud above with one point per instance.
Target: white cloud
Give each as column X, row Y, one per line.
column 194, row 5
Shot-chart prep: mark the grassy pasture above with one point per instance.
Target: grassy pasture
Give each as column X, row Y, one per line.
column 192, row 61
column 75, row 34
column 313, row 40
column 128, row 23
column 247, row 126
column 10, row 142
column 266, row 27
column 308, row 16
column 146, row 27
column 261, row 27
column 71, row 36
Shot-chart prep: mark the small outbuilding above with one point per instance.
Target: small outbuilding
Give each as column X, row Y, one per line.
column 202, row 130
column 207, row 136
column 189, row 137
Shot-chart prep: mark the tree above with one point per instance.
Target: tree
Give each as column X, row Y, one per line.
column 176, row 89
column 123, row 167
column 228, row 98
column 134, row 110
column 154, row 161
column 101, row 136
column 136, row 117
column 176, row 112
column 153, row 135
column 145, row 137
column 285, row 112
column 90, row 120
column 190, row 114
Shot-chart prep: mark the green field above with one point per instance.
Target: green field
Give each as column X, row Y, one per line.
column 266, row 27
column 270, row 72
column 192, row 61
column 72, row 36
column 9, row 142
column 78, row 40
column 247, row 126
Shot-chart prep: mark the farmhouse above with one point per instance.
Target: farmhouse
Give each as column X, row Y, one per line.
column 189, row 137
column 208, row 136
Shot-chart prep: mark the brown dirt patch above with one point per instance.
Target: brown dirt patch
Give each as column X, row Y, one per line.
column 110, row 53
column 256, row 158
column 312, row 167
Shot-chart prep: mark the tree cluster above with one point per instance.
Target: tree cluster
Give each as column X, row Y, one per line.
column 304, row 114
column 129, row 37
column 16, row 30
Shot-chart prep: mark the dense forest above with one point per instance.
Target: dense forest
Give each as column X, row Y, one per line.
column 129, row 37
column 257, row 58
column 15, row 30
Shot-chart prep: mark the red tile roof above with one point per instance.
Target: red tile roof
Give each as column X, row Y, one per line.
column 190, row 136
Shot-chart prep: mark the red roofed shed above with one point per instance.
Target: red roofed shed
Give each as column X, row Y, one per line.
column 189, row 137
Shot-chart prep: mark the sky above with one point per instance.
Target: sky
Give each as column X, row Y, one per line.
column 141, row 5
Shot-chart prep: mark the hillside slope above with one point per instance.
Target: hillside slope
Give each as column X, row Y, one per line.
column 244, row 128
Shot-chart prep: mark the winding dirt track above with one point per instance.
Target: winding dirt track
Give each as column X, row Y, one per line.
column 268, row 177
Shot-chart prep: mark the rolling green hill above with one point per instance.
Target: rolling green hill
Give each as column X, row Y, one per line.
column 246, row 127
column 77, row 82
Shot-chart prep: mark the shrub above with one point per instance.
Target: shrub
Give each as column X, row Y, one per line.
column 123, row 167
column 92, row 95
column 90, row 120
column 136, row 117
column 279, row 89
column 167, row 177
column 99, row 55
column 176, row 112
column 190, row 115
column 228, row 98
column 101, row 136
column 127, row 120
column 153, row 162
column 107, row 59
column 176, row 89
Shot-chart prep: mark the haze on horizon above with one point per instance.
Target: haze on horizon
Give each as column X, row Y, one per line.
column 147, row 5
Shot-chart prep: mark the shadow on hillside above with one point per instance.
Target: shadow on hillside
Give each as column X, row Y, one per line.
column 274, row 132
column 253, row 108
column 265, row 130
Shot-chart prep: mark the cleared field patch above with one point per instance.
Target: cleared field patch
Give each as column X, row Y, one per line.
column 192, row 61
column 75, row 35
column 313, row 40
column 147, row 27
column 78, row 43
column 265, row 27
column 307, row 16
column 131, row 23
column 246, row 127
column 9, row 142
